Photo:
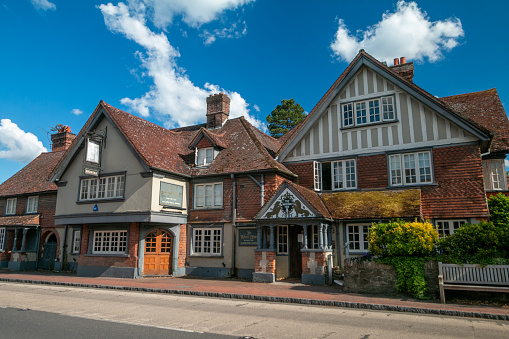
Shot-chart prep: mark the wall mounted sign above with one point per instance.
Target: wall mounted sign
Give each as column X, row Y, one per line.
column 93, row 150
column 248, row 237
column 90, row 171
column 170, row 194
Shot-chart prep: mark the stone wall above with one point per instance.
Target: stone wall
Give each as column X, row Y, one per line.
column 363, row 276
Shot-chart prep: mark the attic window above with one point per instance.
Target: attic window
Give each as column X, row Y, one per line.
column 204, row 156
column 370, row 111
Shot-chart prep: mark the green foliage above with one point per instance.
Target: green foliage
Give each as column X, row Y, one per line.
column 411, row 278
column 284, row 117
column 474, row 244
column 399, row 238
column 499, row 209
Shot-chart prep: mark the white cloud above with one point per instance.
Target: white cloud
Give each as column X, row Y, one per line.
column 43, row 5
column 76, row 111
column 18, row 145
column 406, row 32
column 193, row 12
column 173, row 96
column 231, row 32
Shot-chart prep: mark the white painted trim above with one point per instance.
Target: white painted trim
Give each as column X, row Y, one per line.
column 383, row 149
column 424, row 129
column 356, row 86
column 320, row 135
column 375, row 84
column 385, row 85
column 329, row 119
column 368, row 137
column 338, row 131
column 390, row 136
column 359, row 139
column 349, row 140
column 365, row 79
column 363, row 97
column 347, row 91
column 400, row 125
column 447, row 129
column 311, row 141
column 410, row 118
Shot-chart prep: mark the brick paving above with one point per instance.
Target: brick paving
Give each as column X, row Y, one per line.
column 288, row 292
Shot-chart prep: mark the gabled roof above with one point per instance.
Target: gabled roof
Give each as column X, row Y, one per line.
column 374, row 204
column 486, row 109
column 215, row 139
column 34, row 177
column 20, row 220
column 363, row 59
column 309, row 198
column 246, row 148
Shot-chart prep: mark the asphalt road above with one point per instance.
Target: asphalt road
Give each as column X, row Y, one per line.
column 120, row 311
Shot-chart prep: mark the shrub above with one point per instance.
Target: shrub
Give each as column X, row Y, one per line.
column 399, row 238
column 499, row 210
column 473, row 243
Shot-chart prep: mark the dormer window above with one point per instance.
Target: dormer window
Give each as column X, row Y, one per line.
column 204, row 156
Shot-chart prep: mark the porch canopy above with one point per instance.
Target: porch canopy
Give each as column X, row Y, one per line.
column 24, row 227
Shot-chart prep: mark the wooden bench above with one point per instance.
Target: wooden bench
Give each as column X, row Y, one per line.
column 490, row 278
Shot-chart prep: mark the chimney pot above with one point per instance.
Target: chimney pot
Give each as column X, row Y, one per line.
column 396, row 61
column 403, row 60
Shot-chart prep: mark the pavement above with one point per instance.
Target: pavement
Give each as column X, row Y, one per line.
column 285, row 292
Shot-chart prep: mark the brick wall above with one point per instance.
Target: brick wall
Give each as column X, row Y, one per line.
column 305, row 172
column 372, row 172
column 182, row 246
column 131, row 261
column 47, row 206
column 270, row 256
column 319, row 257
column 460, row 188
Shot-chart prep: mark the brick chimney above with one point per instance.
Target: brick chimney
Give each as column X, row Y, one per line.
column 403, row 68
column 218, row 110
column 62, row 139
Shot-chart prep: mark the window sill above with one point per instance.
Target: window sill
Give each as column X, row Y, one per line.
column 84, row 202
column 369, row 124
column 218, row 256
column 120, row 255
column 494, row 191
column 207, row 208
column 412, row 186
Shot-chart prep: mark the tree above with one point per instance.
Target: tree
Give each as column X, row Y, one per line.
column 284, row 117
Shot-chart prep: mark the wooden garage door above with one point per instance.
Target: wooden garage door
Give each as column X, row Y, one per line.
column 158, row 246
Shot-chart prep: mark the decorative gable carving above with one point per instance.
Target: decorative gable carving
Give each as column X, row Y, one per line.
column 288, row 205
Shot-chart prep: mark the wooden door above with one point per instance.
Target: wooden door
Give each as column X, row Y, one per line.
column 158, row 247
column 295, row 253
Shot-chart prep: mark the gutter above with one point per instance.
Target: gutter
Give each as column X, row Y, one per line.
column 234, row 216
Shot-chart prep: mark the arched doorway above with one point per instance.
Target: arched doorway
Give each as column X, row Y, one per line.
column 158, row 249
column 49, row 253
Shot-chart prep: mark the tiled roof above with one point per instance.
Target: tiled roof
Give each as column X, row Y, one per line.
column 33, row 178
column 486, row 109
column 20, row 220
column 312, row 198
column 217, row 140
column 374, row 204
column 247, row 149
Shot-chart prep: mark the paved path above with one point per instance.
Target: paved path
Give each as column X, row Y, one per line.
column 276, row 292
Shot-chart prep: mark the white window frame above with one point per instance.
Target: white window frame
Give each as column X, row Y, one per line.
column 404, row 166
column 32, row 204
column 76, row 241
column 369, row 111
column 2, row 239
column 357, row 237
column 495, row 178
column 102, row 188
column 207, row 241
column 282, row 239
column 213, row 192
column 109, row 242
column 10, row 206
column 317, row 175
column 448, row 226
column 342, row 175
column 207, row 159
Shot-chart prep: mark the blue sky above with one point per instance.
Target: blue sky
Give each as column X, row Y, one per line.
column 160, row 59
